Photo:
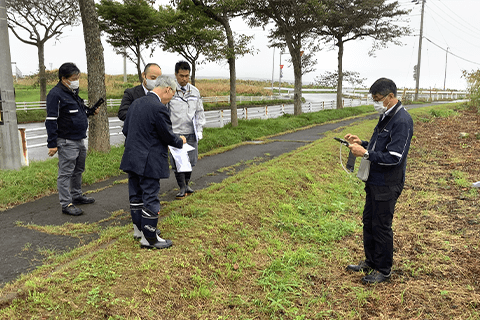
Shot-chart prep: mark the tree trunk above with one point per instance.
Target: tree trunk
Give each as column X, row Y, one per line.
column 294, row 49
column 42, row 78
column 297, row 91
column 194, row 71
column 99, row 133
column 233, row 73
column 340, row 74
column 139, row 70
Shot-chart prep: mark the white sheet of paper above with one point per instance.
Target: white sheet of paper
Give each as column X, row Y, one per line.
column 181, row 157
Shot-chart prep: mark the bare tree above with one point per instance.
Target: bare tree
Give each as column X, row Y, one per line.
column 34, row 22
column 99, row 137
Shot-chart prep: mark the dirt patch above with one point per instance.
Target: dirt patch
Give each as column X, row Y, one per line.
column 437, row 226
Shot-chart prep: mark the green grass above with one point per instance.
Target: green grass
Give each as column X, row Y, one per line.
column 270, row 242
column 40, row 177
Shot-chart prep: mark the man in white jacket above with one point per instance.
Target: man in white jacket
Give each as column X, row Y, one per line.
column 188, row 119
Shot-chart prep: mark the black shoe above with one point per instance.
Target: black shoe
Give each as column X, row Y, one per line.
column 163, row 244
column 361, row 266
column 376, row 277
column 189, row 190
column 72, row 210
column 83, row 200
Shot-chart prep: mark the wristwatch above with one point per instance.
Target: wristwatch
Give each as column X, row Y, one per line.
column 366, row 155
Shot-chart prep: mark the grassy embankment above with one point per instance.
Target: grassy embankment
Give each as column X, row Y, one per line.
column 270, row 242
column 27, row 90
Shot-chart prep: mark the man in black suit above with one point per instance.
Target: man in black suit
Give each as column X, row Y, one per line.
column 148, row 133
column 151, row 72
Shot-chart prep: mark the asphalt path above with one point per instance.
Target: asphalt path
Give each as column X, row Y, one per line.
column 22, row 248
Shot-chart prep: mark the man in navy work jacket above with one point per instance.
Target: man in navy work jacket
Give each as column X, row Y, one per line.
column 387, row 152
column 148, row 133
column 149, row 74
column 66, row 125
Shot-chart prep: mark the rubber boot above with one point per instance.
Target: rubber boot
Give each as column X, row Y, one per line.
column 150, row 239
column 180, row 176
column 188, row 190
column 136, row 212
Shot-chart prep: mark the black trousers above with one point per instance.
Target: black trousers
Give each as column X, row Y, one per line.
column 144, row 190
column 377, row 225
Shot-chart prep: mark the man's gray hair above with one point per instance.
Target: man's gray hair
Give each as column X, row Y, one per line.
column 165, row 82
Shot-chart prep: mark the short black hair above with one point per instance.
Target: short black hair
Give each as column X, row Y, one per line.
column 383, row 86
column 149, row 65
column 182, row 65
column 67, row 70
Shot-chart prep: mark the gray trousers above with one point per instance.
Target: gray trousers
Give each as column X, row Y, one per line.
column 71, row 164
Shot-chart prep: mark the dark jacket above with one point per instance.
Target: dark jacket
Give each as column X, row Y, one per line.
column 128, row 96
column 66, row 115
column 148, row 132
column 389, row 158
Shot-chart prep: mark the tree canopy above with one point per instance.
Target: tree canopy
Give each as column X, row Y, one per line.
column 131, row 27
column 293, row 24
column 35, row 22
column 191, row 34
column 340, row 21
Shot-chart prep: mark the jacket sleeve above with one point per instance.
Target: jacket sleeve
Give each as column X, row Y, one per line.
column 164, row 129
column 127, row 100
column 53, row 110
column 200, row 117
column 397, row 147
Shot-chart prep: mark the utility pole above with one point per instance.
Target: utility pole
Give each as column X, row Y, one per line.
column 445, row 79
column 419, row 52
column 10, row 153
column 273, row 67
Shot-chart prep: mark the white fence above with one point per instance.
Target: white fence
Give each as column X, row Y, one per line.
column 39, row 105
column 219, row 118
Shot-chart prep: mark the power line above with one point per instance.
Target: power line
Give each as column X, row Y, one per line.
column 449, row 52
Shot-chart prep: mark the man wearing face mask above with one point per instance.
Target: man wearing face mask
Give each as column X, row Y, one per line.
column 387, row 152
column 67, row 125
column 151, row 72
column 188, row 119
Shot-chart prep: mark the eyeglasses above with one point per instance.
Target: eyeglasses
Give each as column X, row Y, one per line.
column 376, row 99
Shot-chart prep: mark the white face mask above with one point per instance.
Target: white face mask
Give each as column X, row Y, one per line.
column 379, row 107
column 74, row 84
column 150, row 84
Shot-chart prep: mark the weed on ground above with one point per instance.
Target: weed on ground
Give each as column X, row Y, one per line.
column 272, row 242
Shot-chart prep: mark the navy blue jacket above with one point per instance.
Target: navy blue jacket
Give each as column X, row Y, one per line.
column 66, row 115
column 148, row 132
column 129, row 95
column 389, row 158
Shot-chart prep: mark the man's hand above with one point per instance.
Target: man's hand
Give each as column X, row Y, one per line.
column 357, row 150
column 183, row 139
column 52, row 151
column 352, row 139
column 97, row 111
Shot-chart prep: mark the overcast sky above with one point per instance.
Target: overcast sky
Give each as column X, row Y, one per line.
column 451, row 24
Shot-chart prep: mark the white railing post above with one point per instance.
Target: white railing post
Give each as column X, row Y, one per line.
column 221, row 118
